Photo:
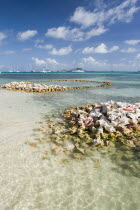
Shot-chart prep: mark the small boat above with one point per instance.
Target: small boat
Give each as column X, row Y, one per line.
column 78, row 71
column 48, row 71
column 43, row 71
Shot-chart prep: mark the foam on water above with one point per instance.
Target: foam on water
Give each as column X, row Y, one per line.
column 28, row 182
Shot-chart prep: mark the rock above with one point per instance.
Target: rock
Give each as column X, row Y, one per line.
column 110, row 143
column 70, row 147
column 130, row 143
column 136, row 142
column 56, row 151
column 73, row 130
column 137, row 127
column 127, row 131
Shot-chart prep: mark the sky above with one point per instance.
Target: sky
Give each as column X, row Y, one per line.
column 96, row 35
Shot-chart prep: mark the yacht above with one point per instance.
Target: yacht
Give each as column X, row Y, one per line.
column 45, row 71
column 78, row 70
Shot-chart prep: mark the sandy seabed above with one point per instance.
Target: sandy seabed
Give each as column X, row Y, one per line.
column 28, row 182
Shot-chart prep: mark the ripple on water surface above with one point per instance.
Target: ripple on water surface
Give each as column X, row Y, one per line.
column 28, row 182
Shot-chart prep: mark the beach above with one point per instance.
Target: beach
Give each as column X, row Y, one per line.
column 29, row 182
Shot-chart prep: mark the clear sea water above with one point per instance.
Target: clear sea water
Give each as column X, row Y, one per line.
column 28, row 182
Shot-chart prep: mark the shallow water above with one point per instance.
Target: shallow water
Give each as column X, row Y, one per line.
column 28, row 182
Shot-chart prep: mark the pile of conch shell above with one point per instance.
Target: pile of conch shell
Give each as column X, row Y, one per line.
column 104, row 118
column 33, row 87
column 38, row 87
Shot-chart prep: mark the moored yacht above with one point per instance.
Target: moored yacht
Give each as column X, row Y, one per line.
column 48, row 71
column 78, row 70
column 45, row 71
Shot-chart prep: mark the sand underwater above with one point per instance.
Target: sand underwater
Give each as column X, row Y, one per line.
column 105, row 181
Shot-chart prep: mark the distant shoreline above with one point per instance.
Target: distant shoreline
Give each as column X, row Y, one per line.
column 70, row 72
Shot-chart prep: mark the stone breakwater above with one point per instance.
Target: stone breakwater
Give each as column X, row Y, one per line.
column 37, row 87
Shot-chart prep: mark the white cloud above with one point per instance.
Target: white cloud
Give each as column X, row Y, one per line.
column 114, row 48
column 2, row 36
column 74, row 34
column 2, row 66
column 51, row 61
column 83, row 17
column 138, row 56
column 95, row 32
column 129, row 66
column 61, row 51
column 60, row 32
column 8, row 52
column 97, row 20
column 38, row 61
column 124, row 13
column 102, row 48
column 37, row 41
column 27, row 49
column 132, row 42
column 90, row 61
column 47, row 61
column 66, row 33
column 88, row 50
column 23, row 36
column 45, row 47
column 129, row 50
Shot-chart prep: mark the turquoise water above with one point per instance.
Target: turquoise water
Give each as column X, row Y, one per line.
column 109, row 181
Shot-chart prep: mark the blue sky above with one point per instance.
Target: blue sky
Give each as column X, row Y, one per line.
column 63, row 34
